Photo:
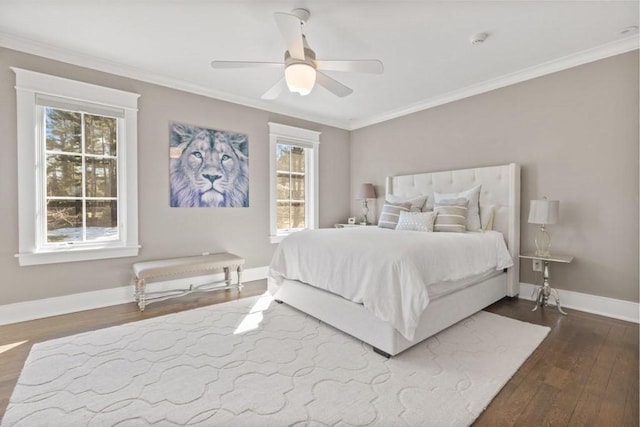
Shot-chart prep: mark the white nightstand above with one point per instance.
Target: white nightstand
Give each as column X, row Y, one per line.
column 350, row 225
column 545, row 290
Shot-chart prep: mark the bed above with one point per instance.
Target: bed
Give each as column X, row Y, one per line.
column 448, row 301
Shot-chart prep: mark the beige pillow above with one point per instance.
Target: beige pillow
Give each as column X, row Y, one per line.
column 487, row 212
column 391, row 213
column 416, row 221
column 451, row 215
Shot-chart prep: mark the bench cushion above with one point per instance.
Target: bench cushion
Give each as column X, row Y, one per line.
column 165, row 267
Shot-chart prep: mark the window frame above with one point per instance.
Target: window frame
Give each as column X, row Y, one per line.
column 308, row 162
column 33, row 248
column 310, row 141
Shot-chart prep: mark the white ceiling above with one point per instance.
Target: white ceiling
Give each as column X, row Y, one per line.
column 424, row 46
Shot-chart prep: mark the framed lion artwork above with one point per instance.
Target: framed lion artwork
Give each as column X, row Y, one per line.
column 208, row 168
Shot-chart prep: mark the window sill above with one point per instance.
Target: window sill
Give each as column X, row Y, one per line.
column 73, row 255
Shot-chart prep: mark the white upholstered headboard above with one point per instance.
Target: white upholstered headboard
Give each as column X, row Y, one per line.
column 500, row 187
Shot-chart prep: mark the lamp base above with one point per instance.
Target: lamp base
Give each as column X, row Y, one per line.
column 543, row 254
column 365, row 212
column 543, row 243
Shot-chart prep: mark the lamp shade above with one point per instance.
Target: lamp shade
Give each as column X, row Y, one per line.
column 300, row 78
column 544, row 211
column 366, row 191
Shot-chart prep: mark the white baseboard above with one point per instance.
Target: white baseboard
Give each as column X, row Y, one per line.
column 615, row 308
column 37, row 309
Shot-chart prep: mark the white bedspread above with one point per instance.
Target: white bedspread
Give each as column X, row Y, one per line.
column 387, row 271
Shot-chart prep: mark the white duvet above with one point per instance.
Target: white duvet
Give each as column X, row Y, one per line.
column 387, row 271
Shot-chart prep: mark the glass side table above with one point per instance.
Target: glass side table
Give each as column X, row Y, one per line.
column 545, row 291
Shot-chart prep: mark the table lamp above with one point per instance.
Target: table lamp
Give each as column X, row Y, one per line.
column 543, row 212
column 365, row 192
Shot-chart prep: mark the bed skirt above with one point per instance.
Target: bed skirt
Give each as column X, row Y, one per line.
column 357, row 321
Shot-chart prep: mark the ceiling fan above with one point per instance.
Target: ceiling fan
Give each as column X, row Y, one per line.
column 301, row 68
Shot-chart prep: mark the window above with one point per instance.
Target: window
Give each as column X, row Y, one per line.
column 294, row 179
column 77, row 173
column 290, row 172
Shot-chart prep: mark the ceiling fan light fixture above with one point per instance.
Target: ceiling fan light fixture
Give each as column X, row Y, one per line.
column 300, row 78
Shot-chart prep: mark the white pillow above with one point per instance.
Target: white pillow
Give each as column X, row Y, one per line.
column 416, row 221
column 417, row 202
column 473, row 196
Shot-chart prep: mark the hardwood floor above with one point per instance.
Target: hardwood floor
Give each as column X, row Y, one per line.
column 584, row 373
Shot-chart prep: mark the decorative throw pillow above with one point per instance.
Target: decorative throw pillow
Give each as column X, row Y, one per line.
column 416, row 221
column 473, row 195
column 417, row 202
column 391, row 213
column 451, row 215
column 487, row 212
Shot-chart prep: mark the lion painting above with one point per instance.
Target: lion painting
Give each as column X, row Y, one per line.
column 209, row 168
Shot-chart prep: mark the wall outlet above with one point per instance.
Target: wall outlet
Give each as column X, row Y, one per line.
column 537, row 265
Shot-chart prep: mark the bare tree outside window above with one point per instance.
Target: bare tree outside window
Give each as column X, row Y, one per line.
column 290, row 187
column 82, row 176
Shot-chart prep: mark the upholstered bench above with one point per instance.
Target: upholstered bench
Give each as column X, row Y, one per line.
column 194, row 265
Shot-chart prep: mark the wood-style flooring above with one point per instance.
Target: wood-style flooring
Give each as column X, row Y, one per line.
column 584, row 373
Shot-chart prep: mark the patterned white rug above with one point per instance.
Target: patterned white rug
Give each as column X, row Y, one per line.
column 253, row 362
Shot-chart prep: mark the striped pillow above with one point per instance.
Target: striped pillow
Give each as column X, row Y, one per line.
column 391, row 213
column 452, row 215
column 473, row 195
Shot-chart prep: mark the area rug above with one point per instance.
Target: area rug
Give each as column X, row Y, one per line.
column 253, row 362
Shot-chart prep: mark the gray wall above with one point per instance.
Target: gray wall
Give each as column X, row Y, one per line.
column 164, row 231
column 574, row 132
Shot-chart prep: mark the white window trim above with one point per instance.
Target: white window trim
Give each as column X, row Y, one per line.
column 304, row 138
column 28, row 85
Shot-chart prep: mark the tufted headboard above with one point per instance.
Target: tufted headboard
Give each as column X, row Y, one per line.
column 500, row 187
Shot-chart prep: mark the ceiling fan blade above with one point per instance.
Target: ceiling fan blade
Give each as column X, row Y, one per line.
column 291, row 29
column 275, row 90
column 245, row 64
column 372, row 66
column 332, row 85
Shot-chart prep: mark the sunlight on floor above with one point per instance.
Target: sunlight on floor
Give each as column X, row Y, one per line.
column 8, row 347
column 252, row 320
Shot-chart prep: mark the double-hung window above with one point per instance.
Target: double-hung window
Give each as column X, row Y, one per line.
column 294, row 179
column 77, row 173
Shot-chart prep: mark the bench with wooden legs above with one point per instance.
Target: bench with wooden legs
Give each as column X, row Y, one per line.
column 194, row 265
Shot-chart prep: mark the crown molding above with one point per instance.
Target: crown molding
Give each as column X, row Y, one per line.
column 44, row 50
column 590, row 55
column 64, row 55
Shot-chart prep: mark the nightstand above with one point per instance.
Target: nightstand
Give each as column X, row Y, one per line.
column 545, row 290
column 350, row 225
